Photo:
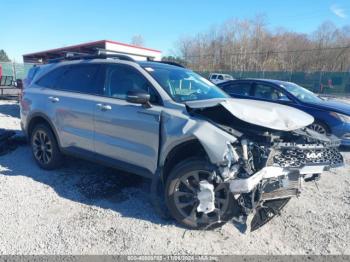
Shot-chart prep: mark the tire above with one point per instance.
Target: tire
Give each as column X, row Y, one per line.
column 319, row 128
column 45, row 148
column 178, row 192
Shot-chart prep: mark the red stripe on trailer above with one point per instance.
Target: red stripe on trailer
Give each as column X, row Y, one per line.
column 89, row 44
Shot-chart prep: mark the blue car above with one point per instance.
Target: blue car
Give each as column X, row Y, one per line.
column 331, row 117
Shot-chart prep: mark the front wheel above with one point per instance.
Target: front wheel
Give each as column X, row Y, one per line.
column 319, row 128
column 183, row 188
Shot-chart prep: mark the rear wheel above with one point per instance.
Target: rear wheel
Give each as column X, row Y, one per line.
column 182, row 189
column 45, row 148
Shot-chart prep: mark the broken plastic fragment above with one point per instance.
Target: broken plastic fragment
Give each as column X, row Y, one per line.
column 206, row 197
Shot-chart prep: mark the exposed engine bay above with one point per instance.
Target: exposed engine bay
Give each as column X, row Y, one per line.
column 265, row 167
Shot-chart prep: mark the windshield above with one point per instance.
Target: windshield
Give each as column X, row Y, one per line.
column 301, row 93
column 184, row 85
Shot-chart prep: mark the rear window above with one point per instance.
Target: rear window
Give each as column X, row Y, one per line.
column 49, row 80
column 75, row 78
column 80, row 78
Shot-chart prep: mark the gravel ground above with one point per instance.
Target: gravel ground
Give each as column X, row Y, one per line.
column 84, row 208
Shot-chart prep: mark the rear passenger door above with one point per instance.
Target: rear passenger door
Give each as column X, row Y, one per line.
column 238, row 89
column 71, row 98
column 125, row 132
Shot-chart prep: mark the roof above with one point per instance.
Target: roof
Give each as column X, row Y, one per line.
column 90, row 44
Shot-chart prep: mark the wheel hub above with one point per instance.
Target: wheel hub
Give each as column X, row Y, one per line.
column 42, row 147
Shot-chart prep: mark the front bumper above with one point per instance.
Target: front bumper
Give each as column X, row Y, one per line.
column 287, row 164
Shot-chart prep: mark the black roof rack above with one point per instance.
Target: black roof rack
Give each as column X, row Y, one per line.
column 166, row 62
column 99, row 53
column 170, row 63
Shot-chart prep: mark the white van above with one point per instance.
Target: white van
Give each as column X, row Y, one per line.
column 218, row 78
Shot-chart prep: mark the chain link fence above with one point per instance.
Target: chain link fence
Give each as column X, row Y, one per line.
column 319, row 82
column 15, row 70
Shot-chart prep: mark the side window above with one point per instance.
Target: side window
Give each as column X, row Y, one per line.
column 268, row 92
column 120, row 79
column 242, row 89
column 213, row 77
column 220, row 77
column 81, row 79
column 49, row 80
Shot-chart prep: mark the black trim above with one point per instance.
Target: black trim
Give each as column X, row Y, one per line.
column 107, row 161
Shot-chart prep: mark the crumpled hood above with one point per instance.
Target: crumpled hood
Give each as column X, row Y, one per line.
column 265, row 114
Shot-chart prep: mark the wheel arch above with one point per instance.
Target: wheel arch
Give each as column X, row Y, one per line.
column 40, row 118
column 184, row 150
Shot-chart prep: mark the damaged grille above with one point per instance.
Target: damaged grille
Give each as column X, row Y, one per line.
column 299, row 156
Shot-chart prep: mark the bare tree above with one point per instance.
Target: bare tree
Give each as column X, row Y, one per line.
column 137, row 40
column 248, row 45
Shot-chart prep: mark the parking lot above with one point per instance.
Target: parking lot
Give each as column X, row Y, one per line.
column 84, row 208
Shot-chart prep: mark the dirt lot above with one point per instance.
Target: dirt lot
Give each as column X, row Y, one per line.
column 88, row 209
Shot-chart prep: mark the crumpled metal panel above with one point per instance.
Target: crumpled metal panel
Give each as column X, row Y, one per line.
column 260, row 113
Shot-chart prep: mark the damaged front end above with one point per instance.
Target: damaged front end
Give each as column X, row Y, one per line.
column 271, row 173
column 265, row 167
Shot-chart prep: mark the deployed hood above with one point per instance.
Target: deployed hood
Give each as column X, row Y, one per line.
column 265, row 114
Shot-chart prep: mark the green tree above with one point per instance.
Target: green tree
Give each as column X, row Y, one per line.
column 3, row 56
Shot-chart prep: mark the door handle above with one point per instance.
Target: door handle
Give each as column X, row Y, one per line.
column 104, row 107
column 54, row 99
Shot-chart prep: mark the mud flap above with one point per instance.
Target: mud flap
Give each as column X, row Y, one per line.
column 265, row 213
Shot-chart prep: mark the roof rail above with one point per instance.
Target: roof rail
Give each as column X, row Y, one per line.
column 99, row 53
column 166, row 62
column 170, row 63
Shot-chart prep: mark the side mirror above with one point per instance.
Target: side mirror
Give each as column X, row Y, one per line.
column 138, row 97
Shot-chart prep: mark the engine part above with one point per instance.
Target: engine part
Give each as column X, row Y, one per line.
column 282, row 187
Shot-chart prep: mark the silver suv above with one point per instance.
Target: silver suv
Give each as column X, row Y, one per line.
column 216, row 158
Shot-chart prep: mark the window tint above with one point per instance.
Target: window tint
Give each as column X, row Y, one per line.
column 80, row 78
column 220, row 77
column 121, row 79
column 268, row 92
column 49, row 80
column 238, row 89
